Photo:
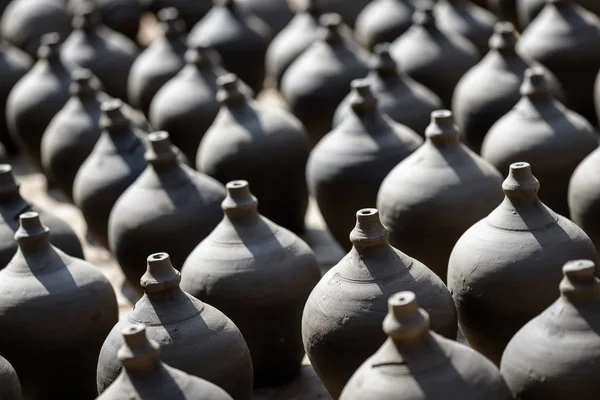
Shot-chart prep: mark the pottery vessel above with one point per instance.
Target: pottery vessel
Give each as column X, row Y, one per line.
column 432, row 56
column 527, row 10
column 399, row 96
column 159, row 62
column 25, row 22
column 319, row 79
column 36, row 98
column 123, row 16
column 107, row 53
column 55, row 311
column 540, row 131
column 491, row 88
column 382, row 21
column 260, row 275
column 348, row 10
column 115, row 163
column 564, row 38
column 195, row 337
column 276, row 13
column 10, row 387
column 254, row 131
column 191, row 11
column 561, row 344
column 341, row 324
column 239, row 38
column 416, row 363
column 169, row 206
column 354, row 158
column 505, row 269
column 436, row 194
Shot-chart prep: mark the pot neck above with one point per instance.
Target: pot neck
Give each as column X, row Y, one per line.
column 441, row 132
column 160, row 154
column 424, row 17
column 49, row 51
column 9, row 188
column 112, row 120
column 330, row 28
column 504, row 39
column 229, row 93
column 362, row 101
column 172, row 26
column 240, row 205
column 87, row 17
column 382, row 64
column 82, row 85
column 580, row 284
column 139, row 355
column 406, row 324
column 535, row 86
column 521, row 187
column 161, row 279
column 32, row 236
column 199, row 57
column 369, row 234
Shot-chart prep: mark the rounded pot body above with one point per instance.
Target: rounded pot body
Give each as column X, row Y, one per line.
column 10, row 387
column 383, row 21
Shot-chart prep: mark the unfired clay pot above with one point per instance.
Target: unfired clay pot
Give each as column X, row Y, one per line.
column 416, row 363
column 436, row 194
column 492, row 87
column 433, row 57
column 114, row 164
column 236, row 147
column 144, row 376
column 191, row 11
column 55, row 311
column 399, row 96
column 555, row 355
column 10, row 387
column 341, row 324
column 354, row 159
column 544, row 133
column 382, row 21
column 195, row 337
column 260, row 275
column 506, row 268
column 12, row 205
column 527, row 10
column 564, row 38
column 169, row 206
column 319, row 79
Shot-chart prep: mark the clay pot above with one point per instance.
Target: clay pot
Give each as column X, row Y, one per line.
column 319, row 79
column 529, row 9
column 505, row 10
column 382, row 21
column 355, row 158
column 348, row 10
column 506, row 268
column 159, row 62
column 561, row 344
column 292, row 41
column 240, row 39
column 416, row 363
column 276, row 13
column 55, row 311
column 36, row 98
column 114, row 164
column 260, row 275
column 191, row 11
column 144, row 376
column 253, row 130
column 170, row 206
column 341, row 324
column 433, row 57
column 24, row 22
column 14, row 64
column 436, row 194
column 10, row 387
column 399, row 96
column 107, row 53
column 12, row 205
column 564, row 38
column 196, row 337
column 186, row 106
column 540, row 131
column 122, row 16
column 490, row 89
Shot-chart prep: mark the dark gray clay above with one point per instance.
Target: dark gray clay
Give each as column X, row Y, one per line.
column 260, row 275
column 341, row 324
column 169, row 206
column 159, row 62
column 195, row 337
column 122, row 16
column 399, row 96
column 505, row 10
column 236, row 147
column 505, row 269
column 115, row 163
column 347, row 166
column 382, row 21
column 540, row 130
column 25, row 22
column 191, row 11
column 107, row 53
column 55, row 311
column 319, row 79
column 492, row 87
column 276, row 13
column 527, row 10
column 433, row 57
column 555, row 355
column 144, row 376
column 564, row 38
column 241, row 40
column 10, row 387
column 12, row 205
column 418, row 364
column 348, row 10
column 436, row 194
column 36, row 98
